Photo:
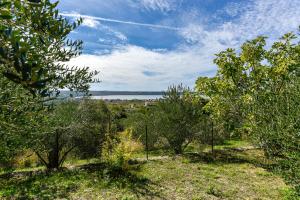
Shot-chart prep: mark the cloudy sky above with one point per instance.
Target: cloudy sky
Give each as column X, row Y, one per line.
column 151, row 44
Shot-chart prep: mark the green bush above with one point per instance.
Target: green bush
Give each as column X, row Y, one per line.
column 117, row 151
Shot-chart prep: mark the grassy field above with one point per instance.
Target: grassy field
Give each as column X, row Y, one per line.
column 233, row 174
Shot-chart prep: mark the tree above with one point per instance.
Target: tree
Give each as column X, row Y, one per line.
column 72, row 126
column 19, row 115
column 141, row 119
column 179, row 115
column 94, row 126
column 263, row 86
column 33, row 50
column 57, row 136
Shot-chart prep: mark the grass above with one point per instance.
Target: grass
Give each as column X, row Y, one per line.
column 197, row 177
column 231, row 175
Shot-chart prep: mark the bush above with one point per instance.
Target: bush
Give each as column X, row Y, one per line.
column 290, row 170
column 25, row 159
column 138, row 120
column 178, row 117
column 118, row 151
column 95, row 120
column 72, row 126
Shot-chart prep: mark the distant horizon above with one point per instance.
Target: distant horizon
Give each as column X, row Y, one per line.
column 120, row 90
column 115, row 93
column 127, row 90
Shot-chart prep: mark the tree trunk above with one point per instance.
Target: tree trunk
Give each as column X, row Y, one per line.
column 212, row 139
column 53, row 158
column 178, row 150
column 146, row 141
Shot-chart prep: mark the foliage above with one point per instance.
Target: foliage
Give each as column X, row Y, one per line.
column 117, row 151
column 72, row 126
column 179, row 117
column 94, row 124
column 26, row 159
column 33, row 50
column 262, row 86
column 223, row 110
column 141, row 119
column 118, row 114
column 20, row 115
column 32, row 31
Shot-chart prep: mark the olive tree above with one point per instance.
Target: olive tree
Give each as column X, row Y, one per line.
column 57, row 136
column 144, row 120
column 34, row 49
column 95, row 124
column 72, row 126
column 20, row 114
column 179, row 116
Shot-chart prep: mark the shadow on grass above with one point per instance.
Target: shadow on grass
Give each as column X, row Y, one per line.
column 116, row 177
column 288, row 169
column 36, row 185
column 61, row 184
column 230, row 156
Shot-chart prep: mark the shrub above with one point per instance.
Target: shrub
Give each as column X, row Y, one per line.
column 26, row 159
column 117, row 151
column 141, row 119
column 178, row 116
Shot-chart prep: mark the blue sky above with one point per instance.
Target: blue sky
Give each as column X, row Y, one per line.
column 151, row 44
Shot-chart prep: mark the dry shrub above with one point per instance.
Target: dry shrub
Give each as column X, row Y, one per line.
column 25, row 159
column 118, row 151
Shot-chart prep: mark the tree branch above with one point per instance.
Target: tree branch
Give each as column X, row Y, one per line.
column 65, row 155
column 41, row 158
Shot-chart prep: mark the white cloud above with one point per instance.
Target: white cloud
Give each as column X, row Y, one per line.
column 158, row 26
column 93, row 22
column 161, row 5
column 193, row 33
column 271, row 17
column 109, row 31
column 234, row 9
column 264, row 17
column 128, row 65
column 124, row 68
column 89, row 22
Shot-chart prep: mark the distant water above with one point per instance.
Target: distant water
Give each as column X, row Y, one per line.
column 128, row 97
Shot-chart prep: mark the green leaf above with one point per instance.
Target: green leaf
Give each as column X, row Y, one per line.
column 5, row 17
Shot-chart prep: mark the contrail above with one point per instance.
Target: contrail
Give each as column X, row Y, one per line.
column 120, row 21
